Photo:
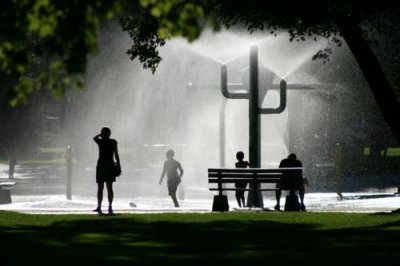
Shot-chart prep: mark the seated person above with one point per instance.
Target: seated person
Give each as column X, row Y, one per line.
column 240, row 184
column 291, row 182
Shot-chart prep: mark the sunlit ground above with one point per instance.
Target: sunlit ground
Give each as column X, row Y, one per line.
column 315, row 202
column 42, row 192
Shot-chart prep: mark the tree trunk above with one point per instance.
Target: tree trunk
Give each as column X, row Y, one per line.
column 373, row 73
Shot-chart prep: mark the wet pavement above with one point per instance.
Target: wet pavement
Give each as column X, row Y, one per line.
column 315, row 202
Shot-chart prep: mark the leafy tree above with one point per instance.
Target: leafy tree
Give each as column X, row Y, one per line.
column 356, row 22
column 44, row 44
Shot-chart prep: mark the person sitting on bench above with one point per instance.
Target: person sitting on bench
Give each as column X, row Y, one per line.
column 241, row 184
column 291, row 182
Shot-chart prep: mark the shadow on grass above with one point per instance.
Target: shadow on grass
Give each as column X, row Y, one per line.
column 125, row 239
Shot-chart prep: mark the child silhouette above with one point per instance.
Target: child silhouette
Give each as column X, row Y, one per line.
column 171, row 168
column 240, row 184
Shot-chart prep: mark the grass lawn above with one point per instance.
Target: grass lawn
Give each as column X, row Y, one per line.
column 223, row 238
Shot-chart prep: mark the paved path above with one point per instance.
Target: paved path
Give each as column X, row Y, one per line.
column 315, row 202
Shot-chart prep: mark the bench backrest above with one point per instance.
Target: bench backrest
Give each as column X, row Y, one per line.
column 258, row 175
column 254, row 176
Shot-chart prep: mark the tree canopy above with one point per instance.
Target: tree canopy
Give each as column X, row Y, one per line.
column 45, row 44
column 301, row 19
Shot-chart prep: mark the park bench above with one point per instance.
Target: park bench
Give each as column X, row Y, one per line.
column 224, row 179
column 5, row 193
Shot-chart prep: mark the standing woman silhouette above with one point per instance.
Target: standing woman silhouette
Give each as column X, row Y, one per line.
column 104, row 170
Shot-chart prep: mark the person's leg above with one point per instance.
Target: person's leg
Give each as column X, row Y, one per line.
column 172, row 188
column 241, row 198
column 100, row 187
column 238, row 198
column 11, row 168
column 175, row 200
column 110, row 196
column 243, row 201
column 238, row 201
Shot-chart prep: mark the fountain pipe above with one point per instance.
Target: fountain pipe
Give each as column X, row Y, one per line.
column 224, row 86
column 254, row 197
column 282, row 103
column 68, row 160
column 254, row 115
column 222, row 161
column 222, row 133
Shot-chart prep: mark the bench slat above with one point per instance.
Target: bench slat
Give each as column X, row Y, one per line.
column 250, row 180
column 246, row 189
column 253, row 170
column 246, row 175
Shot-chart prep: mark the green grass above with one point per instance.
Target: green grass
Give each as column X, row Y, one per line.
column 224, row 238
column 393, row 151
column 390, row 152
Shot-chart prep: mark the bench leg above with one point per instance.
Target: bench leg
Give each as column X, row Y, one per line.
column 220, row 203
column 5, row 196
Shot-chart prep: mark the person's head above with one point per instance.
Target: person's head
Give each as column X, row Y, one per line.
column 105, row 132
column 292, row 156
column 170, row 154
column 240, row 155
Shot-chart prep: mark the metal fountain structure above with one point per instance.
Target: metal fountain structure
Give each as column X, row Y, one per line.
column 255, row 95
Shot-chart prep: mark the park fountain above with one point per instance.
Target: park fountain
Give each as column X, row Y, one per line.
column 149, row 114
